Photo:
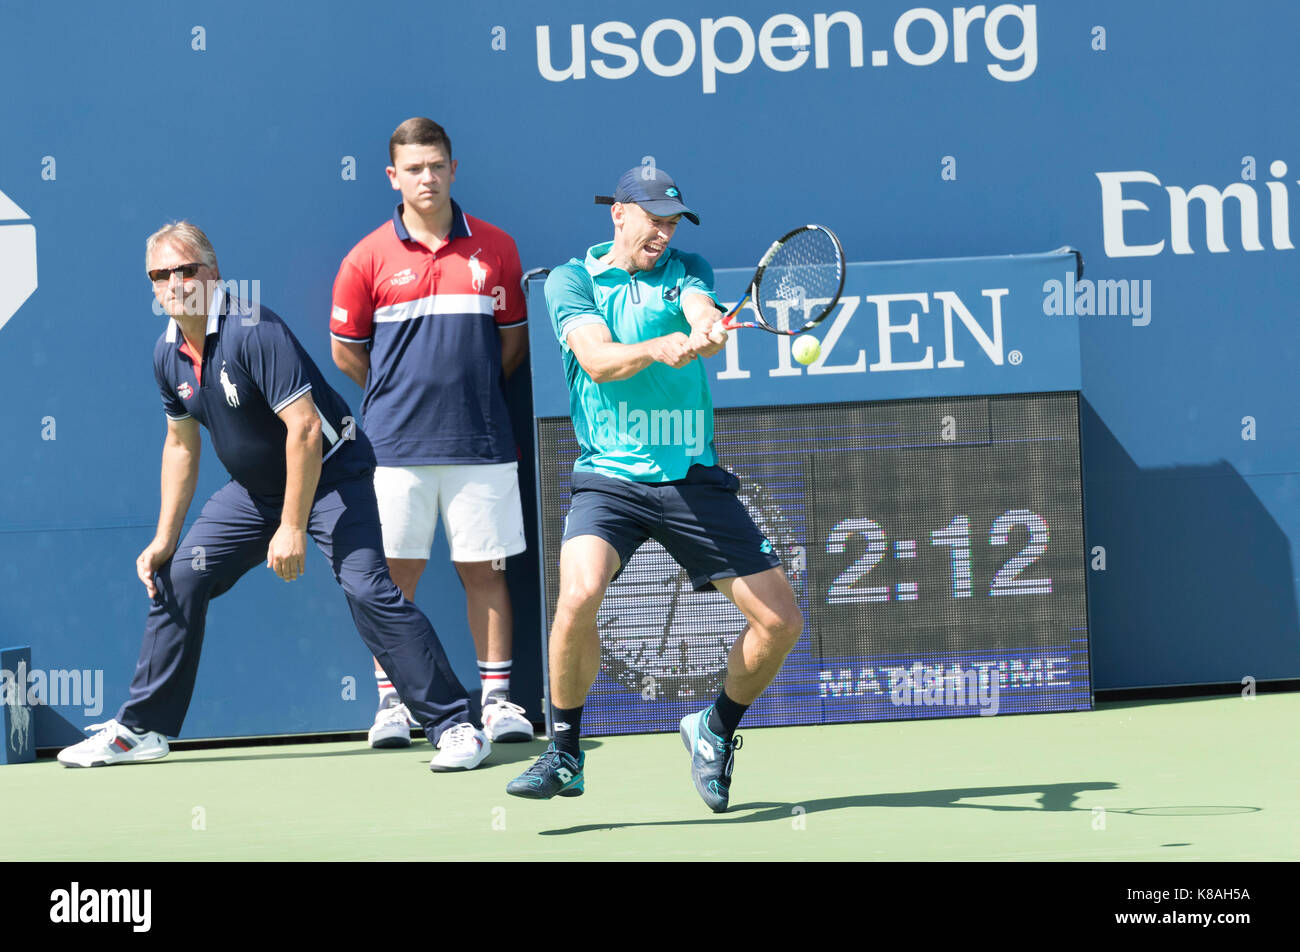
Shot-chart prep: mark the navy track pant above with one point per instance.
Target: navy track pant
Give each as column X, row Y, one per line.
column 234, row 530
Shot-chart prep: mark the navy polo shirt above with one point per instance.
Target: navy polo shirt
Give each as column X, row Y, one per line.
column 253, row 367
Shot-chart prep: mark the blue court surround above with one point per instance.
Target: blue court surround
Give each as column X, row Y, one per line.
column 270, row 130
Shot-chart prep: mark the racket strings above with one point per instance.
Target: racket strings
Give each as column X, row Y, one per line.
column 800, row 280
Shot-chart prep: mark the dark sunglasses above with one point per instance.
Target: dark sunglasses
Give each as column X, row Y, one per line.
column 165, row 274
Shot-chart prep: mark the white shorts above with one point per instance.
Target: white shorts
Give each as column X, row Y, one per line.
column 480, row 508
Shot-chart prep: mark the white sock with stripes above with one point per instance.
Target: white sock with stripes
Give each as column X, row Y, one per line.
column 495, row 676
column 387, row 693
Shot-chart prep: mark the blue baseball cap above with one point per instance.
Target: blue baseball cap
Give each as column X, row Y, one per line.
column 653, row 189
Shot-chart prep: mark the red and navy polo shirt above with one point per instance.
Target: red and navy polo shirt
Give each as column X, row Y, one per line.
column 434, row 393
column 251, row 368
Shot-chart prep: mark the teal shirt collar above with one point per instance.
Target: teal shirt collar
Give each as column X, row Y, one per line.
column 596, row 269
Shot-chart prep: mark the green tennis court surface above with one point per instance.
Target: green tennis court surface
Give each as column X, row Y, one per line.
column 1200, row 779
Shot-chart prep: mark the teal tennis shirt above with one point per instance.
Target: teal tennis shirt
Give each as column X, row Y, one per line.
column 656, row 424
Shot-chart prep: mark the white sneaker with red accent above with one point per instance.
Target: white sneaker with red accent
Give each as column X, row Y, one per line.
column 114, row 744
column 462, row 747
column 392, row 727
column 505, row 723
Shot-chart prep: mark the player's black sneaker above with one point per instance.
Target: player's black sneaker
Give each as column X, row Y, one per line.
column 555, row 774
column 712, row 759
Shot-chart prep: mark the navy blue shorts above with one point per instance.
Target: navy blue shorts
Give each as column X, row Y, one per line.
column 698, row 520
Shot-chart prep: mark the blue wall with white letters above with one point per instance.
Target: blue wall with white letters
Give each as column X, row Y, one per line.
column 913, row 133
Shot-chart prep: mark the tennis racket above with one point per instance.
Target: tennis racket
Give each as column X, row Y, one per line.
column 798, row 282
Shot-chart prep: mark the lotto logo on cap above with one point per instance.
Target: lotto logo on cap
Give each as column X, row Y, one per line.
column 17, row 258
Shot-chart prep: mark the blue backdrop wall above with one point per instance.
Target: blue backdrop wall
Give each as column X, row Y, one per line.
column 1150, row 136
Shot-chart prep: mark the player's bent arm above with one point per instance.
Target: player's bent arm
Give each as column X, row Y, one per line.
column 514, row 347
column 707, row 334
column 352, row 359
column 606, row 361
column 180, row 476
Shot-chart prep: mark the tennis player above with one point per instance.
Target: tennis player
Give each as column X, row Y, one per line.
column 429, row 320
column 298, row 467
column 636, row 319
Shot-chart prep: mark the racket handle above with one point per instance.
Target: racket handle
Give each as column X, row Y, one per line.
column 731, row 320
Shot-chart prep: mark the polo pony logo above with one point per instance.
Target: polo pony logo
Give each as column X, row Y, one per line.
column 232, row 395
column 477, row 273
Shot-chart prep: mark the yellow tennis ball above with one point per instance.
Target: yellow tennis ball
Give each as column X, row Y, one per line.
column 806, row 349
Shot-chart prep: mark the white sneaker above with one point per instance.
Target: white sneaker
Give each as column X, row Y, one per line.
column 114, row 744
column 505, row 722
column 392, row 727
column 462, row 747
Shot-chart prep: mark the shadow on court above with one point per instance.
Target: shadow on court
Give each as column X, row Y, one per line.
column 1053, row 797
